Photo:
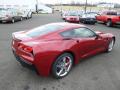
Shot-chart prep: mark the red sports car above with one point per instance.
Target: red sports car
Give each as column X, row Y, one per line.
column 54, row 48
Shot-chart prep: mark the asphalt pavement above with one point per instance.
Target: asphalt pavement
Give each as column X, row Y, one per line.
column 100, row 72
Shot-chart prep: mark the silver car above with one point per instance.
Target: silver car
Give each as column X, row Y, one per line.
column 10, row 15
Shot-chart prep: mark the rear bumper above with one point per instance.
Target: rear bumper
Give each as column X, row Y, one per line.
column 20, row 59
column 41, row 67
column 5, row 19
column 76, row 21
column 24, row 63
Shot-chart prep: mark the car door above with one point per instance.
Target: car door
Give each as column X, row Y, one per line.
column 88, row 41
column 14, row 14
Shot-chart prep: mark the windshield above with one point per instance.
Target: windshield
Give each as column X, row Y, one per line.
column 92, row 15
column 3, row 11
column 73, row 14
column 42, row 30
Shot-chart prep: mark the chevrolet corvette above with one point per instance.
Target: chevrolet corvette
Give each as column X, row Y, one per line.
column 53, row 49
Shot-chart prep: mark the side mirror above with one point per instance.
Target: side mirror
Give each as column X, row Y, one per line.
column 97, row 36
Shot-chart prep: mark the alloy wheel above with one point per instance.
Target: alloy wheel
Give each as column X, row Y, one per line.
column 111, row 44
column 63, row 66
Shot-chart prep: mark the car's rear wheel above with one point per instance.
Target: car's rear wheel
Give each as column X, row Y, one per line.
column 62, row 66
column 110, row 46
column 13, row 20
column 109, row 23
column 21, row 18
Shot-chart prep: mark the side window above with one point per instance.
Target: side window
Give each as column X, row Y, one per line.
column 79, row 32
column 111, row 13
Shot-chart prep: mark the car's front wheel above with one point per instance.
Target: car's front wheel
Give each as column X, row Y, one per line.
column 110, row 46
column 62, row 65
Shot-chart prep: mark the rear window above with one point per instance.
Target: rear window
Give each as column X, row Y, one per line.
column 42, row 30
column 111, row 13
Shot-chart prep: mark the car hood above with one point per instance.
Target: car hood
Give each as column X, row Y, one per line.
column 2, row 13
column 72, row 16
column 98, row 32
column 88, row 16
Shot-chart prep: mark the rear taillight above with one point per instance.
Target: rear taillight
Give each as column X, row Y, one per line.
column 25, row 48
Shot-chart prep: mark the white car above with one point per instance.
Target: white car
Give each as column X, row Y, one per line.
column 64, row 14
column 26, row 14
column 11, row 15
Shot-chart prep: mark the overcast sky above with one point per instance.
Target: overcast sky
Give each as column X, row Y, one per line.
column 82, row 1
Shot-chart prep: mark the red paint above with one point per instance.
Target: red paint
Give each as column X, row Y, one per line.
column 47, row 48
column 104, row 17
column 72, row 19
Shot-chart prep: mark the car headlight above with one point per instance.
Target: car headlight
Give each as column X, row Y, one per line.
column 83, row 16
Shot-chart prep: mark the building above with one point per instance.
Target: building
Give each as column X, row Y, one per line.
column 44, row 9
column 106, row 5
column 25, row 4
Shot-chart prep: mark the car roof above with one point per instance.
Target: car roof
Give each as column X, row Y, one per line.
column 66, row 24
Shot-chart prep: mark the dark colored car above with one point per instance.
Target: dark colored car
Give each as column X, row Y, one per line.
column 88, row 18
column 55, row 48
column 10, row 15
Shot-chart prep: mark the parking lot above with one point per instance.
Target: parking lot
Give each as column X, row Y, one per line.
column 101, row 72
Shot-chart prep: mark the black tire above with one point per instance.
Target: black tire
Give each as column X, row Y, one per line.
column 59, row 60
column 109, row 23
column 13, row 20
column 63, row 18
column 21, row 18
column 93, row 23
column 111, row 45
column 26, row 17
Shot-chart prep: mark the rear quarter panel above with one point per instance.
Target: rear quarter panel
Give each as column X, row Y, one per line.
column 47, row 52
